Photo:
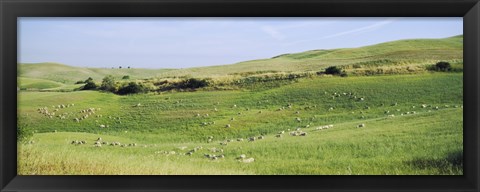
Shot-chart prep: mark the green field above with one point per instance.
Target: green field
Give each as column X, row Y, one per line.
column 413, row 122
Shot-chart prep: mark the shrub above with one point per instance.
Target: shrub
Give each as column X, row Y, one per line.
column 333, row 70
column 443, row 66
column 126, row 76
column 88, row 80
column 440, row 66
column 108, row 84
column 89, row 86
column 132, row 88
column 193, row 83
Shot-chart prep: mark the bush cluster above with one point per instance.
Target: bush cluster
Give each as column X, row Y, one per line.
column 334, row 70
column 440, row 66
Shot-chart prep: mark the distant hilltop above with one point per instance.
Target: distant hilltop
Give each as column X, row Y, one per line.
column 412, row 52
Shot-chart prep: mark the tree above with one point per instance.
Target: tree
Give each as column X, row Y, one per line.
column 443, row 66
column 129, row 67
column 119, row 67
column 108, row 83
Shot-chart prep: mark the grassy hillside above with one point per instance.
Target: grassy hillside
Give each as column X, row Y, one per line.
column 415, row 140
column 69, row 74
column 411, row 53
column 415, row 52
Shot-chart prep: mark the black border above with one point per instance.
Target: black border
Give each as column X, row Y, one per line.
column 11, row 9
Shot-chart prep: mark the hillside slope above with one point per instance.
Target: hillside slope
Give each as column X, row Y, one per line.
column 70, row 74
column 412, row 52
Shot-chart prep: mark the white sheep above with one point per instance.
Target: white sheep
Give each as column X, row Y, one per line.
column 361, row 125
column 249, row 160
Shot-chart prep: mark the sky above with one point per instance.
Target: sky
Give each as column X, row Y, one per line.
column 184, row 42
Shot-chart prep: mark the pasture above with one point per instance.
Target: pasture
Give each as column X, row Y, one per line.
column 413, row 125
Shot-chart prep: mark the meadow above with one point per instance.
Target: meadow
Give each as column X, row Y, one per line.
column 410, row 123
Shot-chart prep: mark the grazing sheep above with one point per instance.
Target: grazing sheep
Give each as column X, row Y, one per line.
column 298, row 119
column 240, row 139
column 281, row 132
column 249, row 160
column 361, row 125
column 242, row 156
column 278, row 135
column 227, row 126
column 303, row 134
column 261, row 137
column 252, row 139
column 223, row 143
column 99, row 139
column 231, row 119
column 102, row 126
column 234, row 105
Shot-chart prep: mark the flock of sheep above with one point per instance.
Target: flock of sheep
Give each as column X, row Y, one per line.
column 99, row 142
column 242, row 158
column 56, row 108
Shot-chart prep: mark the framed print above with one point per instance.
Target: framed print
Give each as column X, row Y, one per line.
column 239, row 95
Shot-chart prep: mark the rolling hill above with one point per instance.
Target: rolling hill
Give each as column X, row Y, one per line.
column 412, row 53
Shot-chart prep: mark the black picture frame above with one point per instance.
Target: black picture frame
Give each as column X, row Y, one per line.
column 11, row 9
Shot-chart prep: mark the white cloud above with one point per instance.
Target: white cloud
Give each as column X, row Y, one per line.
column 367, row 28
column 274, row 33
column 361, row 29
